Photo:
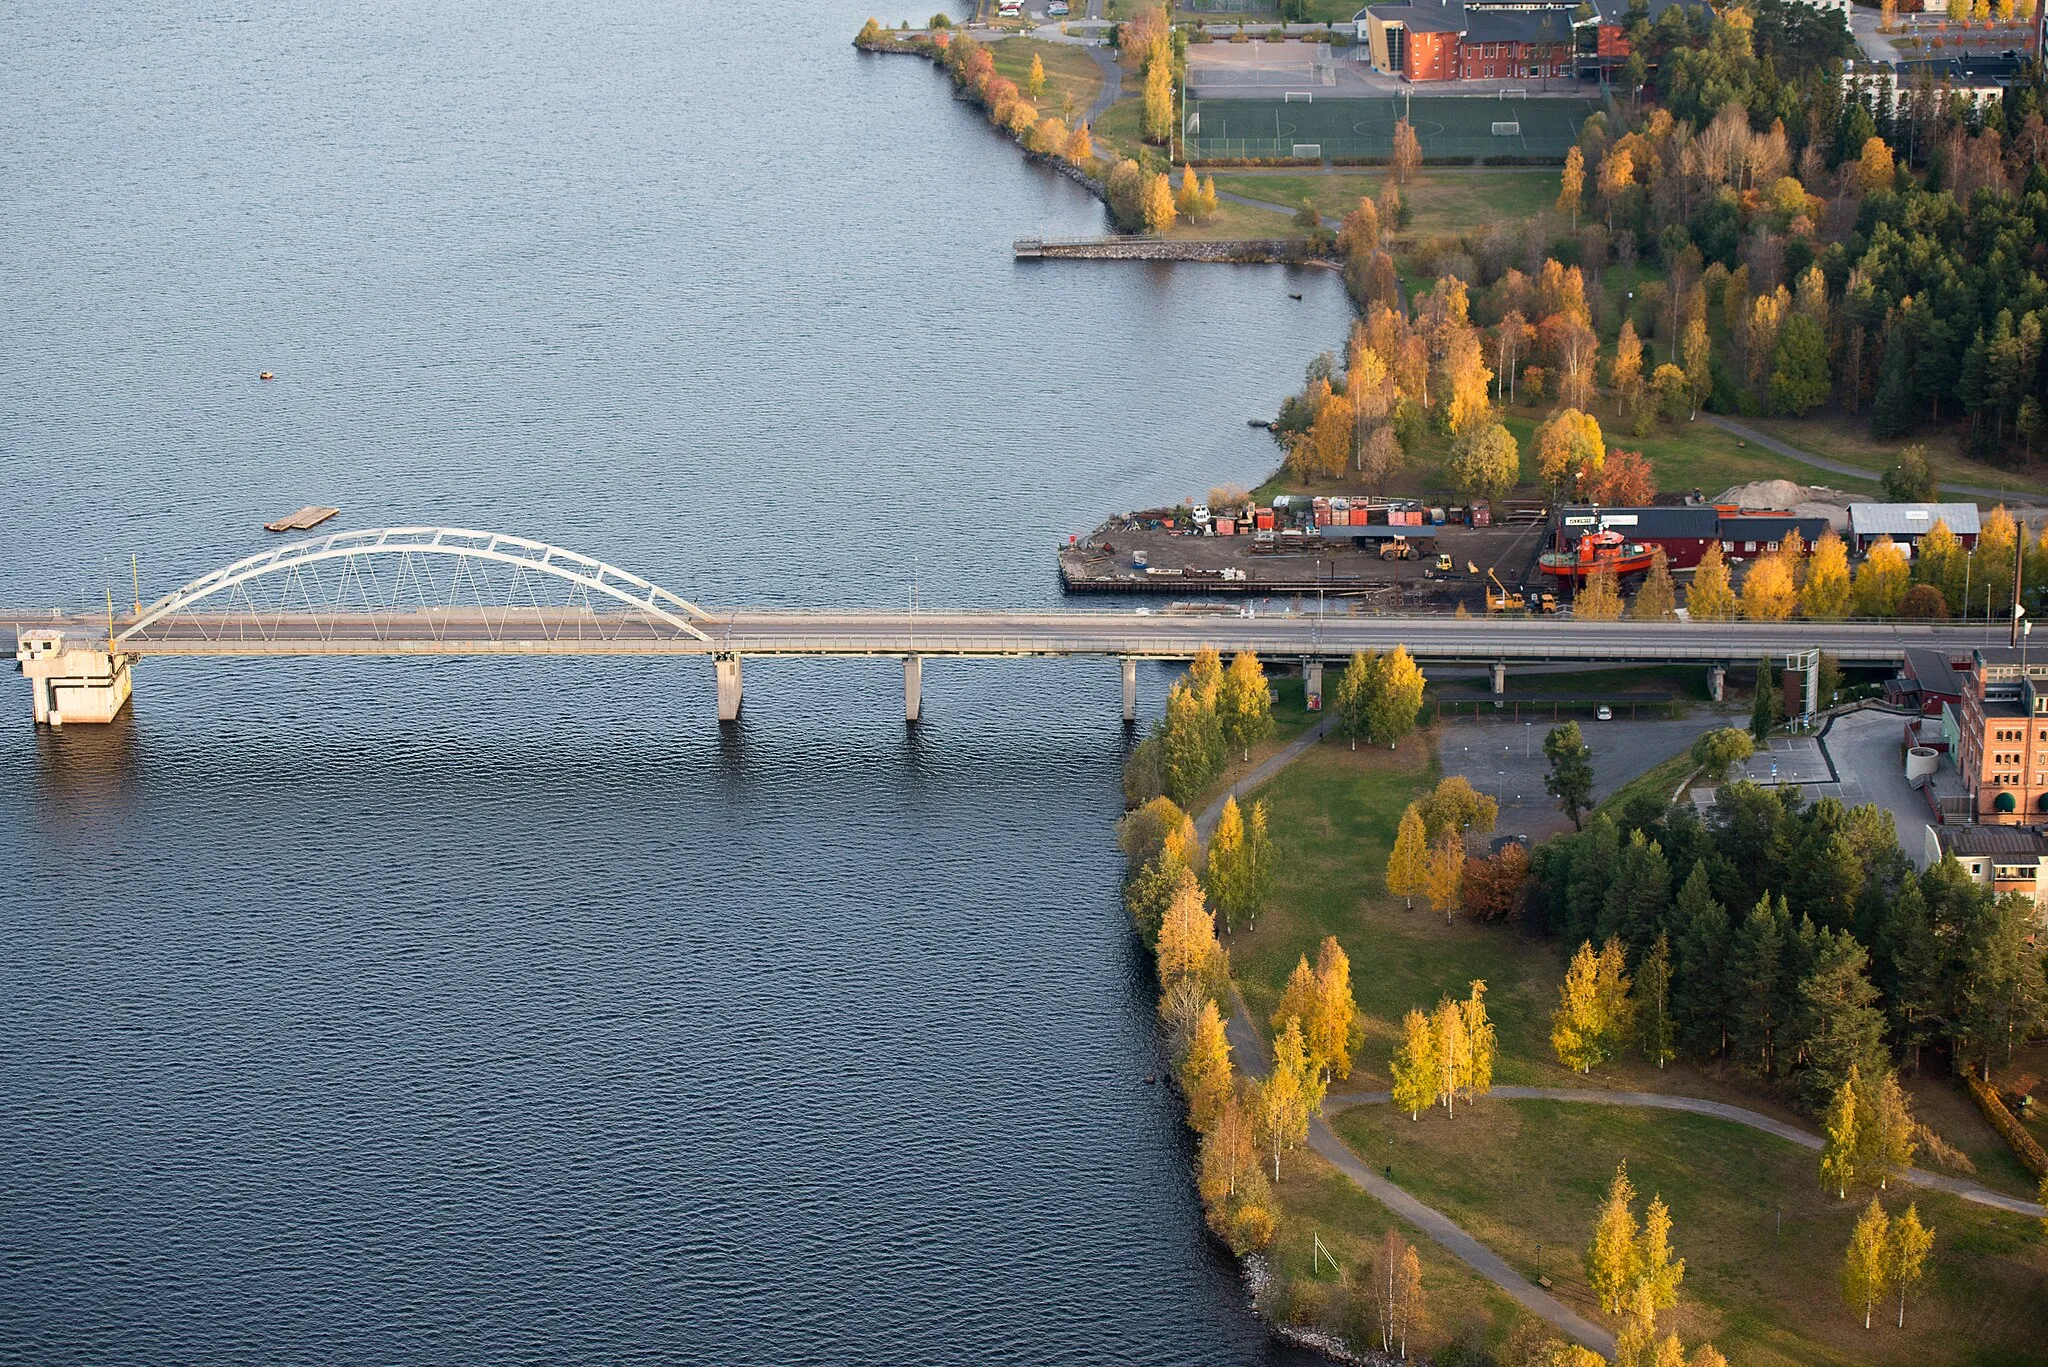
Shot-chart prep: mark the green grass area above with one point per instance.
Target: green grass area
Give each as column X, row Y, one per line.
column 1119, row 129
column 1332, row 814
column 1442, row 202
column 1364, row 127
column 1231, row 221
column 1658, row 781
column 1688, row 455
column 1842, row 437
column 1319, row 1203
column 1072, row 80
column 1520, row 1174
column 1650, row 682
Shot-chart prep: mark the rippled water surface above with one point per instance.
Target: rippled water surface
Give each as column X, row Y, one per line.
column 481, row 1011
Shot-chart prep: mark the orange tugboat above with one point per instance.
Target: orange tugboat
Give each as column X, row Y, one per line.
column 1603, row 550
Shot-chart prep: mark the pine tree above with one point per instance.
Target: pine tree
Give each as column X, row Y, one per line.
column 1335, row 1029
column 1843, row 1139
column 1864, row 1279
column 1576, row 1027
column 1639, row 896
column 1408, row 865
column 1768, row 709
column 1843, row 1032
column 1905, row 1261
column 1570, row 779
column 1699, row 978
column 1244, row 704
column 1653, row 998
column 1414, row 1066
column 1205, row 1074
column 1710, row 599
column 1755, row 983
column 1446, row 871
column 1612, row 1259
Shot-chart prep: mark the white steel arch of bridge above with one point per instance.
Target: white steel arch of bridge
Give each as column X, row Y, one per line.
column 582, row 572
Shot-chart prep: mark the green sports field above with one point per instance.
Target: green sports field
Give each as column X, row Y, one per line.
column 1364, row 128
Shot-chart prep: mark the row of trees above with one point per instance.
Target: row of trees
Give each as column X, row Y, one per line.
column 1210, row 712
column 1445, row 1056
column 1378, row 697
column 973, row 69
column 1844, row 957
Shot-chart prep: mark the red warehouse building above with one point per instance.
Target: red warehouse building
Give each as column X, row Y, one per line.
column 1686, row 532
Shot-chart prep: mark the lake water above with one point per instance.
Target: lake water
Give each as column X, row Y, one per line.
column 485, row 1011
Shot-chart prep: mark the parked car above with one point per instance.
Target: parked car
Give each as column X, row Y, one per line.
column 1605, row 713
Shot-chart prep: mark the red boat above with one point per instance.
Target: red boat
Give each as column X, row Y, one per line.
column 1604, row 550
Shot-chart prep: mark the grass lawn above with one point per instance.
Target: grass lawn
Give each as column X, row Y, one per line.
column 1072, row 80
column 1659, row 779
column 1516, row 1173
column 1847, row 439
column 1688, row 455
column 1231, row 221
column 1118, row 129
column 1319, row 1203
column 1291, row 717
column 1442, row 203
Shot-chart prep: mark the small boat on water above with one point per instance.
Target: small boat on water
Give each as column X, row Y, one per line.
column 1603, row 550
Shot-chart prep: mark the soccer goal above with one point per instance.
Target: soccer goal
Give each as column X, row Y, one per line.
column 1515, row 92
column 1308, row 151
column 1298, row 97
column 1507, row 128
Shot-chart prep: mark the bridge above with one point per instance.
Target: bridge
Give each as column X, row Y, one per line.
column 414, row 591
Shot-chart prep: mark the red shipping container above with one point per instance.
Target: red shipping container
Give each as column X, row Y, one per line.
column 1226, row 526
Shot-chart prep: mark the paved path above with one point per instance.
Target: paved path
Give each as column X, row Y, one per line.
column 1836, row 467
column 1205, row 824
column 1720, row 1110
column 1463, row 1246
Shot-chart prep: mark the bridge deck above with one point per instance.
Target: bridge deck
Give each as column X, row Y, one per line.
column 579, row 632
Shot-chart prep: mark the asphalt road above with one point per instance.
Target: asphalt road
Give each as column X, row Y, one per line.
column 1140, row 634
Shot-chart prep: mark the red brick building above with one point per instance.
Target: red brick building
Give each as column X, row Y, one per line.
column 1498, row 40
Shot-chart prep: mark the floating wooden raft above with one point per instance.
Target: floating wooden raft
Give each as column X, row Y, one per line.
column 304, row 519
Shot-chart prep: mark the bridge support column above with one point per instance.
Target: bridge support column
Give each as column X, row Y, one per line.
column 913, row 687
column 1500, row 678
column 71, row 680
column 728, row 687
column 1130, row 665
column 1312, row 681
column 1717, row 678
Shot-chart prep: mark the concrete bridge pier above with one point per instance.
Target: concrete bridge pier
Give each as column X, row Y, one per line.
column 1130, row 665
column 1312, row 681
column 71, row 681
column 1717, row 679
column 913, row 687
column 1500, row 678
column 728, row 687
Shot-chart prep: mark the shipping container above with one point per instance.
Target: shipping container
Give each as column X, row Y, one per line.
column 1263, row 519
column 1226, row 526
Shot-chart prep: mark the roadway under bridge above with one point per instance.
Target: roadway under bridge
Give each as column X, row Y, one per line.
column 443, row 591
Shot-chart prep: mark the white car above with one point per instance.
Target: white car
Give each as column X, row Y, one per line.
column 1056, row 8
column 1605, row 713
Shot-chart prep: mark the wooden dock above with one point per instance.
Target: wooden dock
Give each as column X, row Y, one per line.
column 304, row 520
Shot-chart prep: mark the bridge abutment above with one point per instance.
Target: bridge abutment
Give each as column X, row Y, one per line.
column 71, row 681
column 1130, row 665
column 728, row 687
column 913, row 687
column 1500, row 678
column 1717, row 679
column 1312, row 682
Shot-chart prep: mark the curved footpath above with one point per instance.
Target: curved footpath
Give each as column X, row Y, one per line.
column 1250, row 1051
column 1720, row 1110
column 1836, row 467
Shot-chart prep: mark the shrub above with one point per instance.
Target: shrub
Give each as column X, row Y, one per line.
column 2002, row 1120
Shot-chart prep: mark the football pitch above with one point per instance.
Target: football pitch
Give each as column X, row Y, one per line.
column 1310, row 125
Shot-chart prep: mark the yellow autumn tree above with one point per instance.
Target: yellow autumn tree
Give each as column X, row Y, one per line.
column 1567, row 445
column 1825, row 595
column 1205, row 1074
column 1710, row 599
column 1446, row 872
column 1414, row 1066
column 1576, row 1028
column 1034, row 84
column 1768, row 594
column 1447, row 1022
column 1611, row 1258
column 1290, row 1096
column 1881, row 580
column 1408, row 865
column 1080, row 145
column 1187, row 947
column 1297, row 999
column 1657, row 599
column 1600, row 599
column 1571, row 194
column 1334, row 1027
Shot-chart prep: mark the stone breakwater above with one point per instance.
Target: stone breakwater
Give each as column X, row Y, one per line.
column 1243, row 250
